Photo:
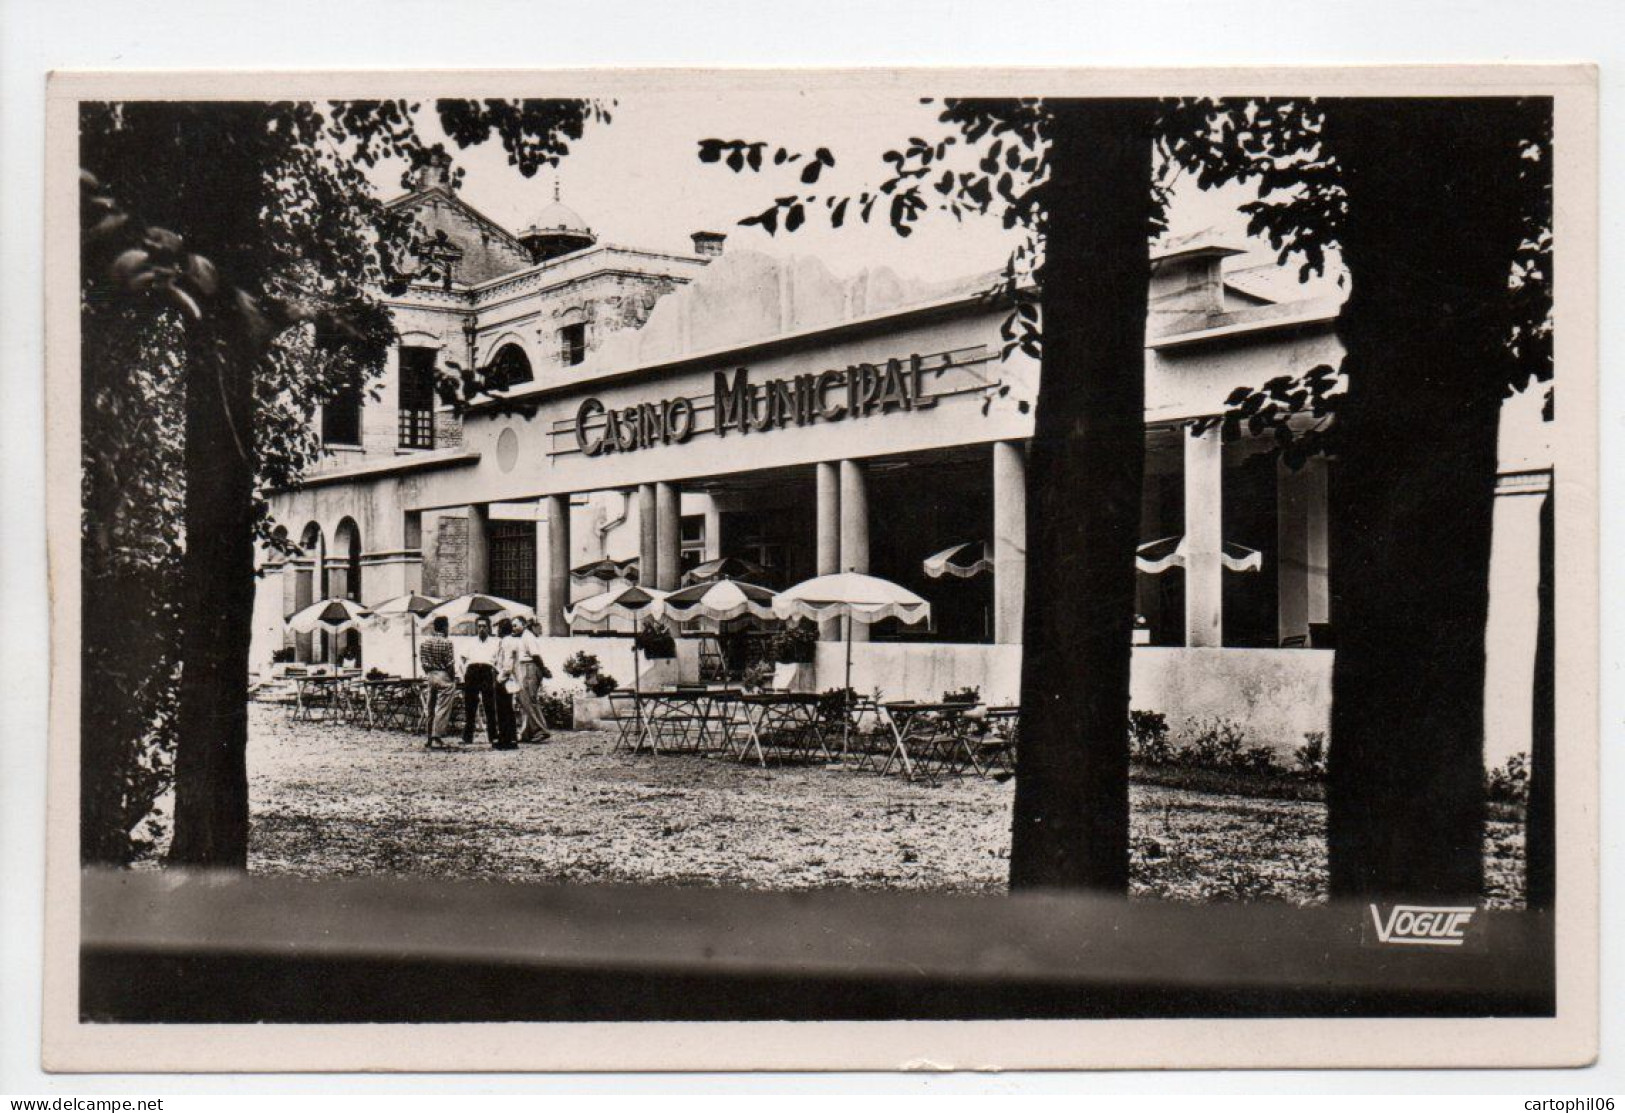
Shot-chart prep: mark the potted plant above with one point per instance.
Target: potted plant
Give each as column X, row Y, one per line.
column 795, row 650
column 593, row 705
column 655, row 642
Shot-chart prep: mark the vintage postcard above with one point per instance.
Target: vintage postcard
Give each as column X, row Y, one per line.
column 935, row 569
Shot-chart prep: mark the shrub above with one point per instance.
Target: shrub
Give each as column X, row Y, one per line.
column 1213, row 744
column 602, row 684
column 558, row 709
column 1220, row 744
column 796, row 645
column 970, row 695
column 833, row 704
column 1148, row 738
column 1509, row 784
column 1311, row 756
column 580, row 665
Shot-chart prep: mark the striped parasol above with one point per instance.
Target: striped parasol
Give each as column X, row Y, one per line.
column 724, row 568
column 463, row 610
column 1170, row 552
column 962, row 561
column 416, row 607
column 333, row 615
column 720, row 601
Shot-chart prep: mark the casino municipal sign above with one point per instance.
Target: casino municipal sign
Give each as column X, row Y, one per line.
column 737, row 404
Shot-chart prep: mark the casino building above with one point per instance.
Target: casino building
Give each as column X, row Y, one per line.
column 682, row 407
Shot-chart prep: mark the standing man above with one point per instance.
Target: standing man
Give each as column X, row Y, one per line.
column 439, row 663
column 532, row 722
column 478, row 660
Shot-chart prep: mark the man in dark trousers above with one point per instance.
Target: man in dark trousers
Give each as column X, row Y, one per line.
column 439, row 661
column 478, row 659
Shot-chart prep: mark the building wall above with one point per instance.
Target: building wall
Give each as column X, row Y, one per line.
column 1276, row 695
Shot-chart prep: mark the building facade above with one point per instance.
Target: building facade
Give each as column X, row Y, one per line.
column 679, row 408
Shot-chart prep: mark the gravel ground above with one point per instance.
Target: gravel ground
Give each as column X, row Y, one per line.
column 331, row 799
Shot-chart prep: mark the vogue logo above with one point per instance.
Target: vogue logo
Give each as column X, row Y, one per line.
column 1422, row 924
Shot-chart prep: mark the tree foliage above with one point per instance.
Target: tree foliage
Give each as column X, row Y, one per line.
column 255, row 224
column 1302, row 211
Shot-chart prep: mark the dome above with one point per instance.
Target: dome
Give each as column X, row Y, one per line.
column 557, row 230
column 559, row 217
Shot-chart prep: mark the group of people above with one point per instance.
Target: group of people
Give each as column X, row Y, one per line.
column 501, row 676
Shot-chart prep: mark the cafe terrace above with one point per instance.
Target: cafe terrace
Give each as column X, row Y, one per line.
column 665, row 409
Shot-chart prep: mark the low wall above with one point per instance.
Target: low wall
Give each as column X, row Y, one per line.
column 1278, row 695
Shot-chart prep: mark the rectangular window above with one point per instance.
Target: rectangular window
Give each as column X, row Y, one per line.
column 693, row 540
column 512, row 559
column 341, row 417
column 573, row 344
column 416, row 397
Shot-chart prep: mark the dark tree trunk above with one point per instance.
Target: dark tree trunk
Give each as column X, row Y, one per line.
column 1540, row 839
column 1432, row 224
column 211, row 773
column 1084, row 486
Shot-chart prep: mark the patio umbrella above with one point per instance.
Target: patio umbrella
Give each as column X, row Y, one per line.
column 722, row 600
column 633, row 603
column 962, row 561
column 724, row 568
column 607, row 570
column 476, row 605
column 1170, row 552
column 854, row 596
column 414, row 606
column 333, row 615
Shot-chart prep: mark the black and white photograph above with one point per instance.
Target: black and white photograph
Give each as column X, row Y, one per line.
column 590, row 549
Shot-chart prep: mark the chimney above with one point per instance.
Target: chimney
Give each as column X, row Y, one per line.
column 708, row 244
column 434, row 171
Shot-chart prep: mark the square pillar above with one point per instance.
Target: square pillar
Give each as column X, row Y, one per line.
column 648, row 537
column 1301, row 586
column 1009, row 540
column 1204, row 540
column 477, row 555
column 554, row 591
column 829, row 534
column 855, row 528
column 668, row 535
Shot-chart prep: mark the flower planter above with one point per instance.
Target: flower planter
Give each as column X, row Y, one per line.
column 590, row 712
column 794, row 677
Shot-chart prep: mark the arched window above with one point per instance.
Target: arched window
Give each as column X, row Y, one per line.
column 345, row 581
column 509, row 367
column 309, row 585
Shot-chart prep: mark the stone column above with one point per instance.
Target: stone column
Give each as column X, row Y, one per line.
column 668, row 535
column 1009, row 540
column 855, row 527
column 476, row 555
column 1301, row 589
column 648, row 537
column 1204, row 517
column 829, row 534
column 554, row 591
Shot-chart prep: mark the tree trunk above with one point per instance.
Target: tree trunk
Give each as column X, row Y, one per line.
column 211, row 773
column 1432, row 224
column 1084, row 484
column 1540, row 839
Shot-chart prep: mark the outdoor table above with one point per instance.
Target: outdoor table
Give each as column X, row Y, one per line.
column 788, row 721
column 938, row 735
column 686, row 717
column 392, row 701
column 319, row 697
column 626, row 707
